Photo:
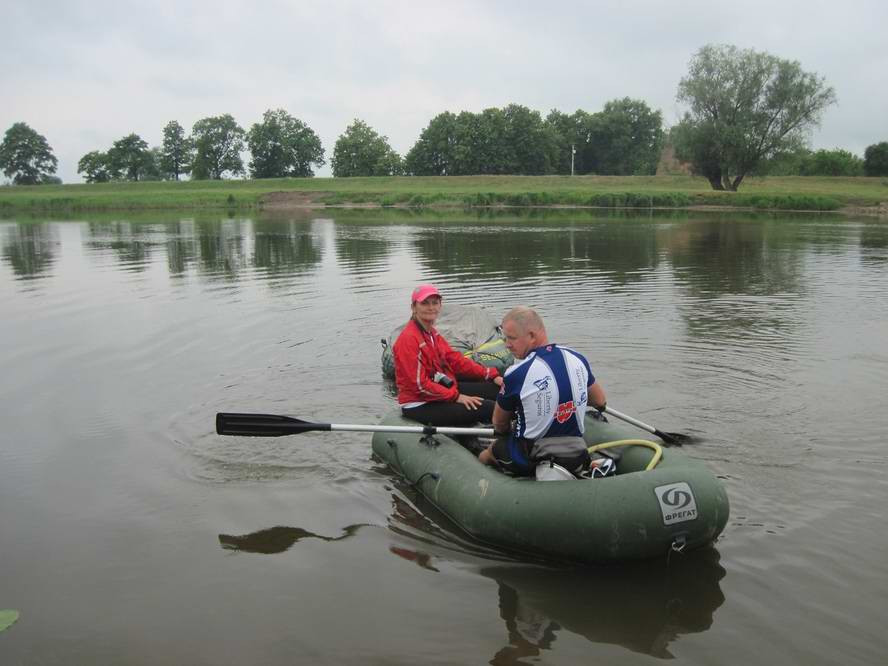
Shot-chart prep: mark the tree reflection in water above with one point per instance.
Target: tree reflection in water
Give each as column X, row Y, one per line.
column 30, row 249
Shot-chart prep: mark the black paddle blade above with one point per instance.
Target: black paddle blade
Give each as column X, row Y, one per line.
column 263, row 425
column 674, row 438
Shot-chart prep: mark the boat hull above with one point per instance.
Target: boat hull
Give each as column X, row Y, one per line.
column 634, row 515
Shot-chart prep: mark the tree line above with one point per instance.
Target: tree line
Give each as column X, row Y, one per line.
column 748, row 113
column 625, row 138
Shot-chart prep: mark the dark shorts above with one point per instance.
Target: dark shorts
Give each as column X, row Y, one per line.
column 514, row 455
column 456, row 415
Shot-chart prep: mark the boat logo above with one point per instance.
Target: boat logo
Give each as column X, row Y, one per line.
column 565, row 411
column 543, row 384
column 677, row 502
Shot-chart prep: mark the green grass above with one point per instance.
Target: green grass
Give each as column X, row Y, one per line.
column 768, row 193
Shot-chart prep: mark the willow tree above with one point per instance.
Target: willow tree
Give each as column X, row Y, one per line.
column 745, row 106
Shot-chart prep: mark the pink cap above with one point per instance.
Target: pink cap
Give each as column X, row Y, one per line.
column 423, row 291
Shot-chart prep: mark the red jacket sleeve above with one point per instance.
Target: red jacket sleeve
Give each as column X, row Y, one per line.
column 413, row 373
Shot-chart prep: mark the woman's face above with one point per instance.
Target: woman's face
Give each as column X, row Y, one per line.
column 427, row 311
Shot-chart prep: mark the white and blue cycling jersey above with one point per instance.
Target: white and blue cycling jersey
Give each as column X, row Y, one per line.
column 548, row 393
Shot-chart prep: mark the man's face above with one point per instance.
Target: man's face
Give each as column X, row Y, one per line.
column 518, row 341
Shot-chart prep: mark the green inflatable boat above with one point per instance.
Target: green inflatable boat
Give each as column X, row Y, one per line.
column 658, row 501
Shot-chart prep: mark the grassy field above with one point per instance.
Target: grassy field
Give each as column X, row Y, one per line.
column 784, row 193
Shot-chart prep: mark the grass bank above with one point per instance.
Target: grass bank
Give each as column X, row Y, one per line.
column 784, row 193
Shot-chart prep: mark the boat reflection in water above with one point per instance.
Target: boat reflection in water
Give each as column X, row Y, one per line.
column 278, row 539
column 642, row 607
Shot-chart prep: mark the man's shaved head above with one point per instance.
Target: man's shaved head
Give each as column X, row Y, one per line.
column 526, row 319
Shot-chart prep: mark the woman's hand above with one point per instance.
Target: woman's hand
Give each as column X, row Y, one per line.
column 498, row 381
column 469, row 401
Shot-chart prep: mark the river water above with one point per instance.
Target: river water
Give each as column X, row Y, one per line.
column 130, row 533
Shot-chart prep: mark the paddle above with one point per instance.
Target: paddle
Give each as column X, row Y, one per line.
column 273, row 425
column 675, row 438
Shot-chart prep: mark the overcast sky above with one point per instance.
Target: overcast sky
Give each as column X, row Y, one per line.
column 84, row 74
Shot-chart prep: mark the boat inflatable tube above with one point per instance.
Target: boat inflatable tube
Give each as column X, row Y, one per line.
column 635, row 514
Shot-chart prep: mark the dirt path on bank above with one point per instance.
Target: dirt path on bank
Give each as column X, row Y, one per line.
column 288, row 200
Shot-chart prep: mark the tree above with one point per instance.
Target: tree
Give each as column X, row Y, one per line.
column 745, row 106
column 129, row 158
column 218, row 143
column 25, row 156
column 94, row 167
column 176, row 151
column 531, row 143
column 512, row 140
column 152, row 165
column 434, row 153
column 626, row 138
column 875, row 159
column 836, row 162
column 785, row 162
column 282, row 145
column 360, row 151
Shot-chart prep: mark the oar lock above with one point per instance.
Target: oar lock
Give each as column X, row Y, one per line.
column 429, row 439
column 679, row 543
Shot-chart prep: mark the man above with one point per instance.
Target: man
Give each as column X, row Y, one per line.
column 546, row 393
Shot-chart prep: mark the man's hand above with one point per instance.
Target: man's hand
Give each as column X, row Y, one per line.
column 469, row 401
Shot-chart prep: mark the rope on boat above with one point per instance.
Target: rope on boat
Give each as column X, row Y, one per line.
column 658, row 450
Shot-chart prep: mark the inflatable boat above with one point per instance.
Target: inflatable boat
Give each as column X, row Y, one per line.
column 658, row 501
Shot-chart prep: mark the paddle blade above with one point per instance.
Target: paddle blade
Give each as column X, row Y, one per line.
column 674, row 438
column 263, row 425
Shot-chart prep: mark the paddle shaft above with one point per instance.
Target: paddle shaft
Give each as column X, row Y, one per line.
column 274, row 425
column 666, row 437
column 425, row 430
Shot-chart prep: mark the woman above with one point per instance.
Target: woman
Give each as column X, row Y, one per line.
column 436, row 385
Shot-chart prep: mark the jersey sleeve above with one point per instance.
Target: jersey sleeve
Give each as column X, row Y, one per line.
column 509, row 394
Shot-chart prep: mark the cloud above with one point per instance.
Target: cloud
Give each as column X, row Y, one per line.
column 87, row 73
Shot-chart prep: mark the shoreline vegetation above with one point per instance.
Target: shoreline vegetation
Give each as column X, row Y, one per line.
column 857, row 195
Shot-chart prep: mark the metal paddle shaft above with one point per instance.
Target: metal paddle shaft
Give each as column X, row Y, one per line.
column 275, row 425
column 669, row 437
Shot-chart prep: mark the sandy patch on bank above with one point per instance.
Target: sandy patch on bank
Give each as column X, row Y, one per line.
column 289, row 200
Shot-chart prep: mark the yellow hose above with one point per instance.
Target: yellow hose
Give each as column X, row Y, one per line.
column 658, row 451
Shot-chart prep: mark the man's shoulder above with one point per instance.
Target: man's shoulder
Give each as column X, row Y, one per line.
column 519, row 366
column 573, row 352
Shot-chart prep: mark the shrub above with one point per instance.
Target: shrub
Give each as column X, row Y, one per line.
column 836, row 162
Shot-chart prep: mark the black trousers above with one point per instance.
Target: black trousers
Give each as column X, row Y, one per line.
column 454, row 414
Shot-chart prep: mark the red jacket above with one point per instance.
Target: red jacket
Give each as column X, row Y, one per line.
column 420, row 354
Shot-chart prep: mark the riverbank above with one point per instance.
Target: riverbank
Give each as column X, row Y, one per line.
column 857, row 195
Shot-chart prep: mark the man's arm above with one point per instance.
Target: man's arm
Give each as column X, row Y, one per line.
column 596, row 397
column 502, row 420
